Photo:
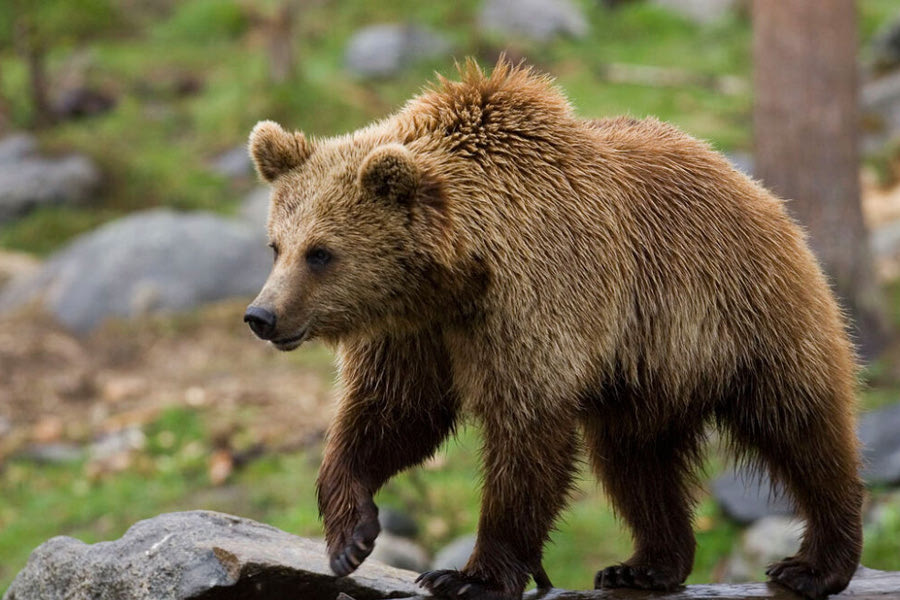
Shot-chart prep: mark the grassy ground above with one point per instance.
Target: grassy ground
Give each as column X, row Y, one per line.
column 155, row 148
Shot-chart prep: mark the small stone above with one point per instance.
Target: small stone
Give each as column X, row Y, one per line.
column 400, row 553
column 53, row 453
column 397, row 522
column 454, row 555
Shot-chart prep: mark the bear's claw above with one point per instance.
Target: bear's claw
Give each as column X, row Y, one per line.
column 640, row 577
column 359, row 546
column 803, row 578
column 456, row 585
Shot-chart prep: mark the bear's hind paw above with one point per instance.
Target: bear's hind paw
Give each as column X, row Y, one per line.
column 803, row 578
column 456, row 585
column 640, row 577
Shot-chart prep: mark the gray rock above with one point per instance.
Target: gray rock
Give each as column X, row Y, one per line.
column 744, row 501
column 700, row 11
column 17, row 147
column 28, row 183
column 198, row 554
column 233, row 164
column 879, row 432
column 255, row 209
column 539, row 20
column 747, row 498
column 53, row 453
column 397, row 522
column 886, row 47
column 742, row 161
column 454, row 555
column 385, row 50
column 117, row 442
column 147, row 262
column 880, row 106
column 400, row 553
column 768, row 540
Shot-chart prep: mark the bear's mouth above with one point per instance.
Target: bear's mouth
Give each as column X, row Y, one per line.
column 291, row 343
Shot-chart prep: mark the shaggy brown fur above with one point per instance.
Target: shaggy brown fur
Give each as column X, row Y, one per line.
column 485, row 251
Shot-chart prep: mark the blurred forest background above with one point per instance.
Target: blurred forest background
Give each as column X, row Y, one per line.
column 132, row 236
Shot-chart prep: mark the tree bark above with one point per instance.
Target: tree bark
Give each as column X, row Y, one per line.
column 32, row 50
column 806, row 135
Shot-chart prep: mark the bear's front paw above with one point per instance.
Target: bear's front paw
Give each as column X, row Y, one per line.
column 357, row 541
column 456, row 585
column 640, row 577
column 803, row 578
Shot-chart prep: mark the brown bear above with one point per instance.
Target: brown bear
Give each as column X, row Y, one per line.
column 485, row 251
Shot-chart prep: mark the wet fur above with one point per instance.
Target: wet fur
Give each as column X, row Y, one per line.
column 610, row 283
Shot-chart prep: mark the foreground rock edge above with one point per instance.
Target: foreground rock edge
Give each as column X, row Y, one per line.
column 207, row 555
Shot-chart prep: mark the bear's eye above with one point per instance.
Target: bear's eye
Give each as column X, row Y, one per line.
column 318, row 258
column 274, row 248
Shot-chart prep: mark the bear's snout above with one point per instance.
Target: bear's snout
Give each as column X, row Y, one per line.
column 261, row 321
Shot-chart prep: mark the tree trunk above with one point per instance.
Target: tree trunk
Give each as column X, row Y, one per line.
column 805, row 126
column 29, row 47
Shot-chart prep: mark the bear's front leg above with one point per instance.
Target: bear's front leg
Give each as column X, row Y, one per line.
column 396, row 409
column 528, row 468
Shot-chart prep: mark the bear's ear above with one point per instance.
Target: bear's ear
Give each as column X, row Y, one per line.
column 390, row 172
column 275, row 151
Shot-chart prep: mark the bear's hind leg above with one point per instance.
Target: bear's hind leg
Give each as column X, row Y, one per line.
column 649, row 481
column 811, row 450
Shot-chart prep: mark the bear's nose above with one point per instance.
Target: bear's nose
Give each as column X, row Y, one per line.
column 261, row 321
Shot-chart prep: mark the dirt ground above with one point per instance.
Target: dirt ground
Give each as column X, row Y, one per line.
column 56, row 387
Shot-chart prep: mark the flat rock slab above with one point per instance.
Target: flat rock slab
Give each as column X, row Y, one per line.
column 868, row 584
column 203, row 555
column 198, row 555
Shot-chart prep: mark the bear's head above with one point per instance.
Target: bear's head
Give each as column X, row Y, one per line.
column 359, row 231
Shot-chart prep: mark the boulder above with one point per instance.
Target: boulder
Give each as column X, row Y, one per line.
column 700, row 11
column 17, row 147
column 385, row 50
column 255, row 209
column 233, row 164
column 151, row 261
column 198, row 554
column 885, row 47
column 880, row 107
column 746, row 497
column 881, row 445
column 28, row 182
column 539, row 20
